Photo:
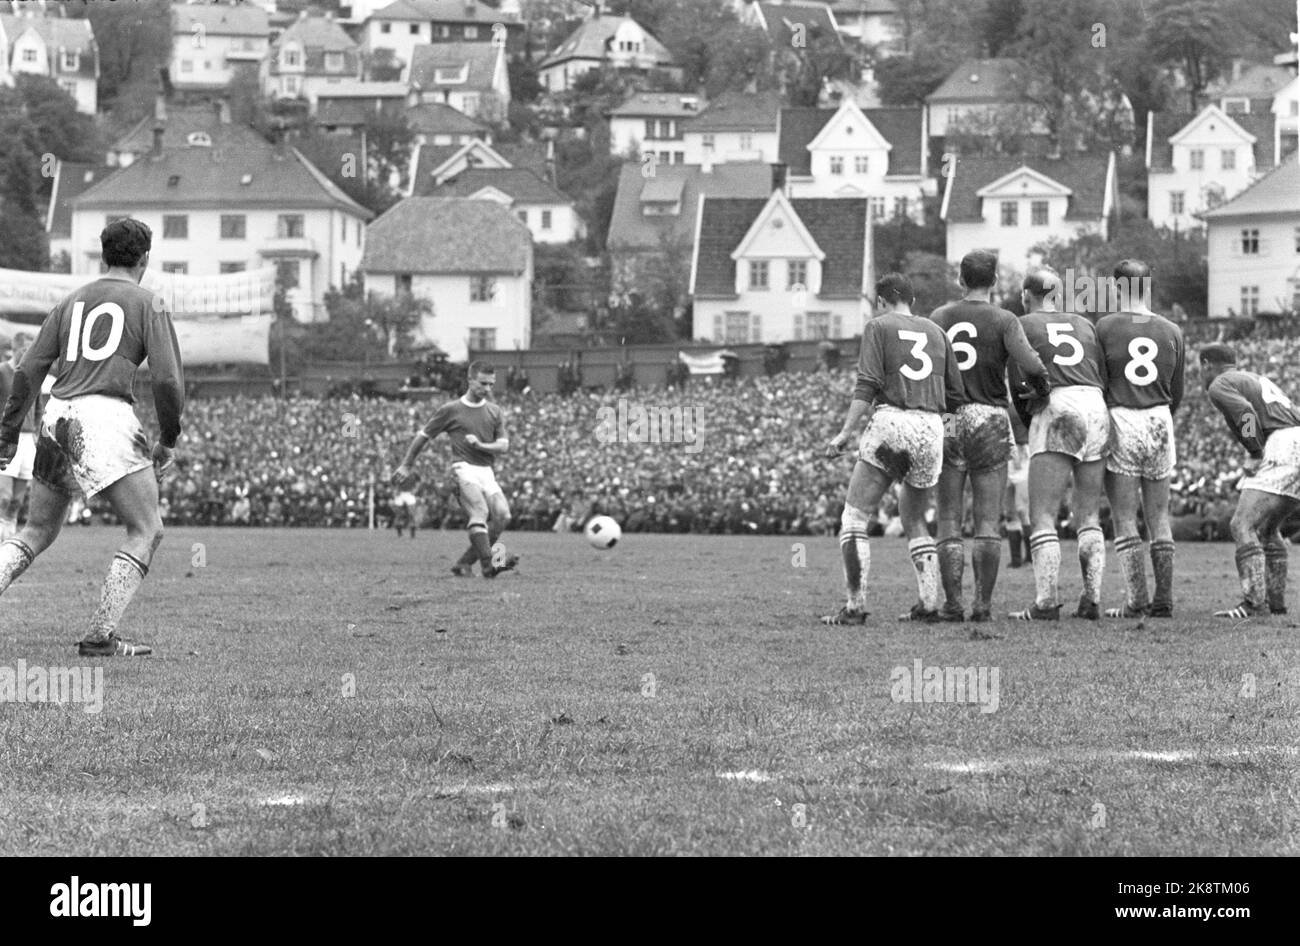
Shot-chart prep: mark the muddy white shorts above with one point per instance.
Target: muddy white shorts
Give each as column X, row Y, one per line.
column 1142, row 442
column 980, row 438
column 89, row 443
column 906, row 445
column 20, row 467
column 1279, row 471
column 1074, row 422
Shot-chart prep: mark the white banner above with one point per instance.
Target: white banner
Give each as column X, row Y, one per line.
column 246, row 293
column 242, row 341
column 705, row 364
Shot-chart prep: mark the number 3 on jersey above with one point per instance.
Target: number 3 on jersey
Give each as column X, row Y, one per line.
column 1141, row 369
column 918, row 340
column 79, row 337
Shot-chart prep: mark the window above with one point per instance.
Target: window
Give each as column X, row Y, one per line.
column 1038, row 213
column 860, row 164
column 954, row 114
column 877, row 205
column 176, row 227
column 1010, row 213
column 71, row 61
column 288, row 226
column 666, row 129
column 1176, row 203
column 758, row 274
column 679, row 157
column 333, row 62
column 665, row 157
column 649, row 127
column 414, row 29
column 737, row 328
column 187, row 66
column 291, row 58
column 471, row 32
column 179, row 269
column 1213, row 196
column 290, row 85
column 1196, row 159
column 403, row 283
column 482, row 339
column 708, row 142
column 546, row 220
column 1228, row 159
column 286, row 273
column 796, row 274
column 900, row 207
column 444, row 31
column 522, row 215
column 837, row 165
column 1249, row 300
column 482, row 288
column 746, row 142
column 470, row 103
column 385, row 27
column 232, row 267
column 233, row 226
column 1250, row 242
column 819, row 325
column 29, row 55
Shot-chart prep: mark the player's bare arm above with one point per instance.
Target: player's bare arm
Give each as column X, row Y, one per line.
column 27, row 386
column 403, row 472
column 499, row 446
column 859, row 412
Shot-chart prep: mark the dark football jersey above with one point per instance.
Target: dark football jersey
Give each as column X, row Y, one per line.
column 1067, row 345
column 1144, row 360
column 1253, row 406
column 906, row 362
column 92, row 343
column 484, row 420
column 985, row 338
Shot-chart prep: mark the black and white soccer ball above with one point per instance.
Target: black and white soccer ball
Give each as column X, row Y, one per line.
column 603, row 533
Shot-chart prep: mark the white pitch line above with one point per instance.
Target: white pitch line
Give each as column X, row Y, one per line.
column 981, row 766
column 750, row 775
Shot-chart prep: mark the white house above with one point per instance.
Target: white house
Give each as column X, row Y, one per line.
column 1010, row 204
column 775, row 269
column 977, row 90
column 735, row 127
column 1196, row 162
column 472, row 258
column 402, row 25
column 619, row 42
column 210, row 41
column 1286, row 118
column 470, row 77
column 1254, row 247
column 60, row 48
column 879, row 154
column 216, row 209
column 549, row 214
column 311, row 56
column 653, row 122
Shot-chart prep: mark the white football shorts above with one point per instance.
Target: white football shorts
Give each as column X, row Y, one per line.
column 1074, row 422
column 906, row 445
column 1142, row 442
column 1279, row 471
column 89, row 443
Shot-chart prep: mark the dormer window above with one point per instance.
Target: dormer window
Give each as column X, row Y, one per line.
column 29, row 55
column 71, row 60
column 452, row 75
column 199, row 139
column 174, row 180
column 292, row 57
column 333, row 62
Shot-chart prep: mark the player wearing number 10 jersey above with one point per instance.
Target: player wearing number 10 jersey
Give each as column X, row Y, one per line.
column 1068, row 435
column 1144, row 361
column 985, row 339
column 90, row 440
column 907, row 380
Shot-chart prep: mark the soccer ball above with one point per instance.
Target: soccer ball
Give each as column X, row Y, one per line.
column 603, row 532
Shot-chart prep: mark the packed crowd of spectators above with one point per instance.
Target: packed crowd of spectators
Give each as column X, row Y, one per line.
column 755, row 464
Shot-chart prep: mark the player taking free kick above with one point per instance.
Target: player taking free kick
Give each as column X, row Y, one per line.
column 92, row 342
column 477, row 430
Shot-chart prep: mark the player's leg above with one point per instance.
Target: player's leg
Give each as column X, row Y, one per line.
column 1256, row 512
column 949, row 508
column 1049, row 473
column 1155, row 509
column 475, row 504
column 1275, row 558
column 1088, row 479
column 987, row 486
column 134, row 499
column 8, row 511
column 867, row 487
column 45, row 515
column 913, row 503
column 1011, row 522
column 1123, row 492
column 498, row 522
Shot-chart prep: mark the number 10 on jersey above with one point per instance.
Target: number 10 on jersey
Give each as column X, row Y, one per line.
column 79, row 336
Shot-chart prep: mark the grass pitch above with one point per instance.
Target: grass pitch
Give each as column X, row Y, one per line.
column 334, row 692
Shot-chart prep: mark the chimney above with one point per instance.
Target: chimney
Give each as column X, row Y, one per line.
column 1236, row 69
column 780, row 177
column 159, row 108
column 157, row 139
column 706, row 163
column 165, row 80
column 550, row 161
column 223, row 111
column 216, row 111
column 413, row 95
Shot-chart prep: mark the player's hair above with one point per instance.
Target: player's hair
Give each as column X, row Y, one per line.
column 1042, row 281
column 895, row 288
column 1132, row 269
column 477, row 368
column 1218, row 354
column 979, row 269
column 125, row 242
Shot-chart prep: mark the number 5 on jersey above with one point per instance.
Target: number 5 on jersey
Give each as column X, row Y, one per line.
column 918, row 340
column 79, row 337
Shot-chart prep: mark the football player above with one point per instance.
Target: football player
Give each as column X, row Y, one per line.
column 15, row 478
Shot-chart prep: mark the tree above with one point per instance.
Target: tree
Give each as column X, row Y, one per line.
column 134, row 40
column 811, row 66
column 370, row 327
column 740, row 57
column 59, row 128
column 383, row 66
column 1196, row 36
column 525, row 86
column 998, row 23
column 907, row 80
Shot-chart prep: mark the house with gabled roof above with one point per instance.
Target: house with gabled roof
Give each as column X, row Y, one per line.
column 211, row 41
column 1195, row 162
column 184, row 126
column 879, row 154
column 775, row 269
column 736, row 126
column 976, row 90
column 472, row 258
column 61, row 48
column 1011, row 204
column 470, row 77
column 618, row 42
column 549, row 214
column 402, row 25
column 1253, row 246
column 214, row 210
column 432, row 164
column 311, row 55
column 653, row 123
